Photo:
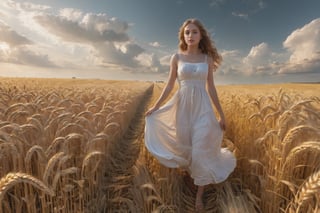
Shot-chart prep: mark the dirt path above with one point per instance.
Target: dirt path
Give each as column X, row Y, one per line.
column 123, row 156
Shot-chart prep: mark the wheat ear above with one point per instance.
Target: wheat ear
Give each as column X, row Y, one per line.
column 307, row 190
column 12, row 179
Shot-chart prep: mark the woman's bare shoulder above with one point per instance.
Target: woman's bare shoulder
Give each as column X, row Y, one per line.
column 210, row 62
column 174, row 58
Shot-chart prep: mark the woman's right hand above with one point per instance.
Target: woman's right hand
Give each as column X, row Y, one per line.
column 151, row 110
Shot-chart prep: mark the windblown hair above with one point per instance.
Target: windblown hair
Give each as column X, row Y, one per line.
column 206, row 45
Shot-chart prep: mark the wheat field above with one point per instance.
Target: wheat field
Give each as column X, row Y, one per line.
column 72, row 145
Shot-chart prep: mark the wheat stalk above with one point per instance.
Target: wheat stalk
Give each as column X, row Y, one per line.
column 12, row 179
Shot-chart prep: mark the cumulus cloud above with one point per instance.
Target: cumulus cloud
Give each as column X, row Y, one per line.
column 260, row 60
column 155, row 44
column 152, row 63
column 71, row 14
column 301, row 55
column 304, row 47
column 17, row 49
column 306, row 65
column 258, row 55
column 126, row 54
column 26, row 56
column 11, row 37
column 231, row 63
column 99, row 39
column 108, row 37
column 92, row 28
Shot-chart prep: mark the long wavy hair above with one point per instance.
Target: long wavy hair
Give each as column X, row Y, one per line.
column 206, row 45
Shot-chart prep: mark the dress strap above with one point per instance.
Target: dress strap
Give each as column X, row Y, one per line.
column 205, row 58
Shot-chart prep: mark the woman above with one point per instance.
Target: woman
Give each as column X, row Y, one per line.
column 184, row 132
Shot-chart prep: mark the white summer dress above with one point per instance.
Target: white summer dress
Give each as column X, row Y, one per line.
column 184, row 133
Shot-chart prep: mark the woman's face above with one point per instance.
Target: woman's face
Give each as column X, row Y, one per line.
column 192, row 35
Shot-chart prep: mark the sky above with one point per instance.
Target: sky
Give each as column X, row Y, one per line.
column 261, row 41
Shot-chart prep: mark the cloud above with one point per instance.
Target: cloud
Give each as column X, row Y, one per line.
column 240, row 15
column 249, row 8
column 311, row 65
column 26, row 56
column 26, row 6
column 11, row 37
column 231, row 63
column 253, row 5
column 152, row 63
column 71, row 38
column 261, row 4
column 302, row 55
column 304, row 46
column 259, row 61
column 125, row 55
column 216, row 3
column 17, row 49
column 155, row 44
column 71, row 14
column 108, row 37
column 92, row 28
column 258, row 55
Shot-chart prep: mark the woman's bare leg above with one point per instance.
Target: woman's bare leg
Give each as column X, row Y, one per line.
column 199, row 201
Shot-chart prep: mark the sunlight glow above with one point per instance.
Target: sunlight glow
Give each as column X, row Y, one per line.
column 4, row 47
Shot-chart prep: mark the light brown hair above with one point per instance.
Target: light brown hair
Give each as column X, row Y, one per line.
column 206, row 45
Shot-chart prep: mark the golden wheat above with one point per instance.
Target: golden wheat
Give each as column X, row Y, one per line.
column 12, row 179
column 309, row 189
column 294, row 135
column 84, row 140
column 35, row 157
column 50, row 166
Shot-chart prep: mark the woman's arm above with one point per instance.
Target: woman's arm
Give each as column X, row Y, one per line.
column 213, row 93
column 169, row 86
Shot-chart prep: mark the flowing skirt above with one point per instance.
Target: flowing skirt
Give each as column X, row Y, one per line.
column 184, row 133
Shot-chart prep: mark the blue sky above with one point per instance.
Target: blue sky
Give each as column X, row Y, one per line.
column 261, row 41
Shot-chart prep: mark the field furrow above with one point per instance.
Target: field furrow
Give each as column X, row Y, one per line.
column 122, row 156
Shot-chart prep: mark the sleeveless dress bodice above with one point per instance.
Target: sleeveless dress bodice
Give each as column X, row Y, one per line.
column 192, row 71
